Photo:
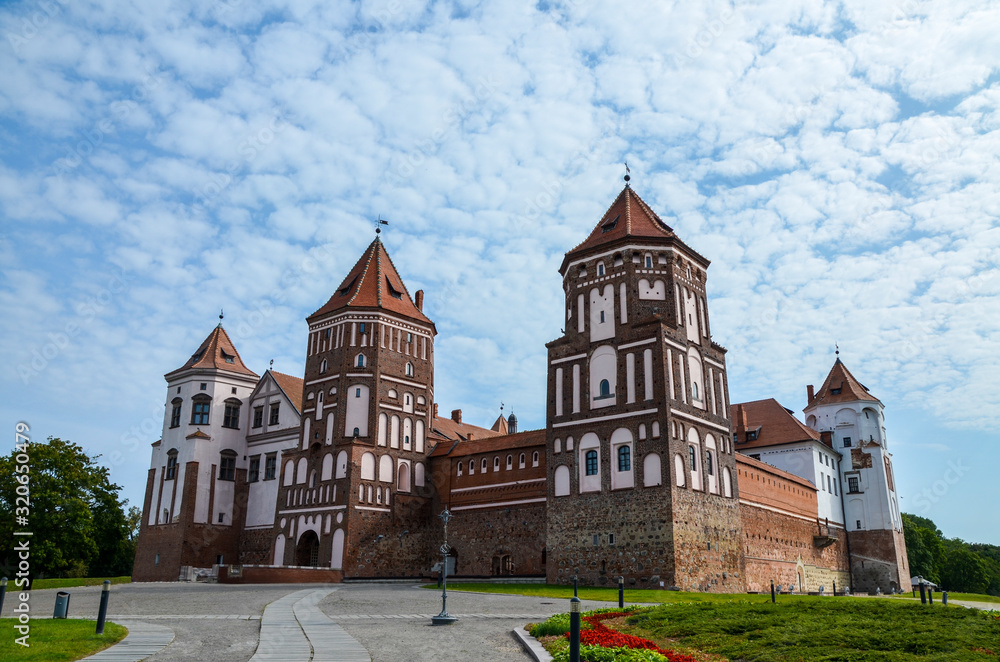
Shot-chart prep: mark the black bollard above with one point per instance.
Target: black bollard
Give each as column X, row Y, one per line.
column 3, row 591
column 834, row 588
column 574, row 629
column 576, row 581
column 102, row 613
column 621, row 592
column 944, row 598
column 772, row 590
column 930, row 595
column 923, row 594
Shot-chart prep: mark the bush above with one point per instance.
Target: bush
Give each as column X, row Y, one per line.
column 555, row 625
column 600, row 654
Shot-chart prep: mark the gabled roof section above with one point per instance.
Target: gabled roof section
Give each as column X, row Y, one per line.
column 628, row 216
column 373, row 283
column 500, row 425
column 506, row 442
column 840, row 386
column 293, row 387
column 217, row 351
column 772, row 424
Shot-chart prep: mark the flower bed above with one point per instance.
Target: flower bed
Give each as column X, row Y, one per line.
column 603, row 636
column 599, row 643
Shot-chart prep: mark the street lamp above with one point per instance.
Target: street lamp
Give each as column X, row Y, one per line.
column 444, row 618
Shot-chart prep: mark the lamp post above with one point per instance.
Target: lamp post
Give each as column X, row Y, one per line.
column 444, row 618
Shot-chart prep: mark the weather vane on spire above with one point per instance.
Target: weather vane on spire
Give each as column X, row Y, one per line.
column 378, row 225
column 837, row 348
column 627, row 175
column 222, row 314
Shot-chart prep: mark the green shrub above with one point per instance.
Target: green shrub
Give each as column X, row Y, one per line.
column 598, row 654
column 557, row 625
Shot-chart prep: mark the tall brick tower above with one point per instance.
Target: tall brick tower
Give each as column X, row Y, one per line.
column 853, row 418
column 642, row 477
column 354, row 493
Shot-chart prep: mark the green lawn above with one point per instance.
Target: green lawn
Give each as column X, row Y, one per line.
column 593, row 593
column 805, row 629
column 77, row 581
column 57, row 640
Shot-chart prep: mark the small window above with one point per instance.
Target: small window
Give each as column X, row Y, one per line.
column 605, row 389
column 258, row 417
column 228, row 358
column 222, row 518
column 275, row 411
column 611, row 539
column 624, row 458
column 610, row 225
column 253, row 475
column 204, row 386
column 357, row 432
column 597, row 540
column 835, row 391
column 602, row 317
column 496, row 463
column 361, row 327
column 156, row 560
column 231, row 418
column 693, row 457
column 709, row 468
column 460, row 465
column 590, row 460
column 858, row 523
column 175, row 413
column 852, row 485
column 600, row 271
column 520, row 461
column 649, row 262
column 409, row 337
column 393, row 292
column 326, row 334
column 847, row 442
column 482, row 465
column 510, row 462
column 357, row 393
column 270, row 466
column 534, row 459
column 199, row 412
column 227, row 465
column 171, row 465
column 361, row 361
column 694, row 391
column 322, row 366
column 409, row 369
column 472, row 467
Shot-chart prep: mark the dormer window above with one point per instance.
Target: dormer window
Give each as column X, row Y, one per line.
column 610, row 225
column 343, row 292
column 396, row 294
column 836, row 391
column 228, row 358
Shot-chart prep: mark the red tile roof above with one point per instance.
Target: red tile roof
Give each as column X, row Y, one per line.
column 531, row 438
column 373, row 283
column 217, row 351
column 293, row 387
column 628, row 216
column 500, row 425
column 848, row 388
column 448, row 430
column 774, row 425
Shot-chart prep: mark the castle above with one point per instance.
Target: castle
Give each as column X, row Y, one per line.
column 644, row 469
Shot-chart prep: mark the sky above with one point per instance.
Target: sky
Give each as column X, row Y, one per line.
column 837, row 163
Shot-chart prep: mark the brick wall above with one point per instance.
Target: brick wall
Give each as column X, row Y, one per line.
column 483, row 537
column 877, row 558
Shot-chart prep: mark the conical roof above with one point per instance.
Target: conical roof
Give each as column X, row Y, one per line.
column 840, row 386
column 628, row 217
column 373, row 283
column 217, row 351
column 500, row 425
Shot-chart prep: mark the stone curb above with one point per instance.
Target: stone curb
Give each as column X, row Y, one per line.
column 531, row 645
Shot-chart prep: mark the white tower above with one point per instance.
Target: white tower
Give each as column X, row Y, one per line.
column 853, row 418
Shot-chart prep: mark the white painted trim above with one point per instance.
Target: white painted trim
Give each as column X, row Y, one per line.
column 486, row 487
column 404, row 382
column 675, row 345
column 715, row 363
column 699, row 420
column 392, row 407
column 322, row 379
column 587, row 421
column 360, row 374
column 575, row 357
column 637, row 343
column 378, row 510
column 499, row 504
column 667, row 249
column 310, row 510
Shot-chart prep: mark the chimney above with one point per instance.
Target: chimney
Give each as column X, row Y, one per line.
column 743, row 417
column 435, row 410
column 827, row 438
column 741, row 424
column 469, row 436
column 809, row 394
column 456, row 415
column 420, row 300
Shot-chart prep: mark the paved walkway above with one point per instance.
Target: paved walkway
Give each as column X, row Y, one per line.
column 293, row 629
column 142, row 640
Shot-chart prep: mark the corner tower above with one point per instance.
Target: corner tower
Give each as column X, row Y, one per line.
column 353, row 494
column 192, row 515
column 844, row 409
column 642, row 477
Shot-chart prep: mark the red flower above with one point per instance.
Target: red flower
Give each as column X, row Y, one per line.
column 601, row 635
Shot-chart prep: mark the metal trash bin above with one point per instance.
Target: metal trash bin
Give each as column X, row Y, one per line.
column 62, row 605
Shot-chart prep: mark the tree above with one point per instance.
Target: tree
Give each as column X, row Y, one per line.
column 966, row 572
column 925, row 549
column 76, row 518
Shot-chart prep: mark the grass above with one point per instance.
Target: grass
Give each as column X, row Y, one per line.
column 57, row 640
column 972, row 597
column 805, row 629
column 75, row 581
column 595, row 593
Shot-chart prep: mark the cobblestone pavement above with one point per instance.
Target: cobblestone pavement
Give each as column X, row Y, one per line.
column 393, row 622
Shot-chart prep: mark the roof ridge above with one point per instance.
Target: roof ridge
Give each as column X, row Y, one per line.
column 361, row 276
column 378, row 271
column 628, row 210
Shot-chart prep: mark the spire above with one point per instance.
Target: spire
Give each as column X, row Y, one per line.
column 217, row 351
column 373, row 283
column 841, row 386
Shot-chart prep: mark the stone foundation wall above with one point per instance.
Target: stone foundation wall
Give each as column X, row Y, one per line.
column 707, row 551
column 481, row 538
column 878, row 561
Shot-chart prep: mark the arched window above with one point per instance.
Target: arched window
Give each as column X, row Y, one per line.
column 322, row 366
column 600, row 268
column 460, row 465
column 708, row 464
column 482, row 465
column 360, row 361
column 520, row 461
column 590, row 458
column 496, row 463
column 472, row 467
column 694, row 390
column 409, row 369
column 649, row 261
column 227, row 465
column 624, row 458
column 175, row 413
column 171, row 464
column 694, row 458
column 510, row 462
column 199, row 412
column 534, row 459
column 605, row 389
